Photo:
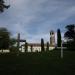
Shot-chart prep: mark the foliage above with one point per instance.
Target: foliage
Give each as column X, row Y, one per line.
column 70, row 33
column 4, row 38
column 2, row 6
column 26, row 47
column 58, row 38
column 5, row 41
column 42, row 45
column 47, row 46
column 70, row 37
column 12, row 42
column 12, row 47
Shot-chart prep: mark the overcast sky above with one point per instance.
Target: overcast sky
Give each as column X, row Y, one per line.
column 34, row 19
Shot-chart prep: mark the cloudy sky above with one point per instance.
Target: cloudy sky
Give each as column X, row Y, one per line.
column 34, row 19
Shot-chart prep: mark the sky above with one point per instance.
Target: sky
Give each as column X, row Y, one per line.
column 34, row 19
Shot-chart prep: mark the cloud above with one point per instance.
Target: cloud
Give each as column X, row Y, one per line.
column 34, row 19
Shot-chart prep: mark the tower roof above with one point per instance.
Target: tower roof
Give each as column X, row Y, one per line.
column 51, row 32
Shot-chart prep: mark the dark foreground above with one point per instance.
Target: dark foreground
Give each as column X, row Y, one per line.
column 48, row 63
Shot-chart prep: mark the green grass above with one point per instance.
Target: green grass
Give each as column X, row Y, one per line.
column 46, row 63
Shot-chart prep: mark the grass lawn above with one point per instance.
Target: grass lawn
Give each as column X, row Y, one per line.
column 47, row 63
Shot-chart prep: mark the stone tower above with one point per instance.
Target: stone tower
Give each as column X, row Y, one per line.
column 52, row 38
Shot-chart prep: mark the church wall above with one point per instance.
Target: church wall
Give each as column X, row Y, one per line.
column 36, row 48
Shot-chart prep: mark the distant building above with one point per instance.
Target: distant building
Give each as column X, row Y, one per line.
column 52, row 38
column 36, row 47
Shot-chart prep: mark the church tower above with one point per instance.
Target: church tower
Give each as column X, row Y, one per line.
column 52, row 38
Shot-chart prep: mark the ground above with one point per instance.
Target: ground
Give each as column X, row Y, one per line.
column 46, row 63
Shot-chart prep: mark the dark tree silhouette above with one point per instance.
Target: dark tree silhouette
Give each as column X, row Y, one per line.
column 26, row 47
column 58, row 38
column 12, row 42
column 18, row 43
column 47, row 46
column 2, row 6
column 70, row 37
column 4, row 38
column 5, row 41
column 12, row 47
column 42, row 45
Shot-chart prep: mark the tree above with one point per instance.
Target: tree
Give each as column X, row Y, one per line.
column 18, row 43
column 5, row 41
column 4, row 38
column 70, row 37
column 12, row 47
column 12, row 42
column 47, row 46
column 26, row 47
column 2, row 6
column 42, row 45
column 58, row 38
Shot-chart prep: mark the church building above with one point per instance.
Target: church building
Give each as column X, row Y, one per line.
column 36, row 47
